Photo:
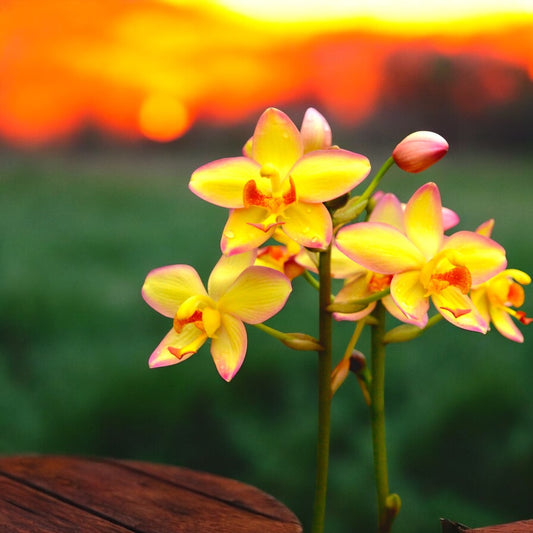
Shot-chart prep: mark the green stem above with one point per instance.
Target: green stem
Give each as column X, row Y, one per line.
column 311, row 280
column 377, row 418
column 377, row 178
column 359, row 325
column 324, row 392
column 271, row 331
column 435, row 319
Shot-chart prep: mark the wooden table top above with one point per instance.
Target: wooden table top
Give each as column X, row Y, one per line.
column 524, row 526
column 52, row 494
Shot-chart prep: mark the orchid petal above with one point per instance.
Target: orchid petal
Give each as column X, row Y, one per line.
column 239, row 234
column 354, row 317
column 323, row 175
column 342, row 267
column 458, row 309
column 228, row 348
column 449, row 219
column 481, row 302
column 518, row 275
column 187, row 342
column 409, row 295
column 483, row 257
column 504, row 324
column 247, row 148
column 388, row 210
column 379, row 247
column 308, row 224
column 256, row 295
column 211, row 320
column 354, row 290
column 226, row 271
column 309, row 260
column 191, row 305
column 423, row 219
column 276, row 141
column 222, row 182
column 166, row 288
column 315, row 130
column 392, row 308
column 486, row 228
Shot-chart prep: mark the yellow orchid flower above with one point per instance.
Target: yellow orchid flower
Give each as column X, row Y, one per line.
column 278, row 186
column 496, row 298
column 237, row 292
column 362, row 283
column 281, row 257
column 425, row 263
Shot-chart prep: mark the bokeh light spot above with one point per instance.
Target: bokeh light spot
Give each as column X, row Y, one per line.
column 163, row 118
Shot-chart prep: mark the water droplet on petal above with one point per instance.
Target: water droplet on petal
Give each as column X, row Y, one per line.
column 306, row 229
column 315, row 239
column 308, row 210
column 229, row 234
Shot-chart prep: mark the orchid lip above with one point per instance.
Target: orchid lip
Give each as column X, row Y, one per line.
column 265, row 227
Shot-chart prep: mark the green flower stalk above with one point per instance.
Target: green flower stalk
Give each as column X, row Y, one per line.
column 387, row 507
column 324, row 391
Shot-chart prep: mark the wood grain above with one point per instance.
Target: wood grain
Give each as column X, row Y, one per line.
column 524, row 526
column 63, row 494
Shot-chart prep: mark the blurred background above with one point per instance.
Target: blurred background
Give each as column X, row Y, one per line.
column 106, row 107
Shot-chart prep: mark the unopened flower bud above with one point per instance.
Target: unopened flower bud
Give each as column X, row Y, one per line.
column 359, row 367
column 339, row 374
column 337, row 203
column 357, row 362
column 346, row 307
column 419, row 151
column 348, row 212
column 315, row 130
column 403, row 333
column 393, row 504
column 301, row 342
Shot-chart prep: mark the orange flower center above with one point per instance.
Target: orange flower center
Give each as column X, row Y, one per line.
column 515, row 295
column 252, row 196
column 521, row 316
column 505, row 293
column 196, row 318
column 458, row 276
column 379, row 282
column 445, row 270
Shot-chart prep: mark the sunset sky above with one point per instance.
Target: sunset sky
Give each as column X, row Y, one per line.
column 348, row 13
column 153, row 68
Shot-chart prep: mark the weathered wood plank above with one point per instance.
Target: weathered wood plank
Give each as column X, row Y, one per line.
column 228, row 490
column 524, row 526
column 148, row 502
column 25, row 510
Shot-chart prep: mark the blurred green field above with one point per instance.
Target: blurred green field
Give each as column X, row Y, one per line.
column 78, row 236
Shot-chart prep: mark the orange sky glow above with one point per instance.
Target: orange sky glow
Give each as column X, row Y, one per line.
column 152, row 68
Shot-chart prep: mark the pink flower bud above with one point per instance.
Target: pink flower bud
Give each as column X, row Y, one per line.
column 419, row 151
column 315, row 131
